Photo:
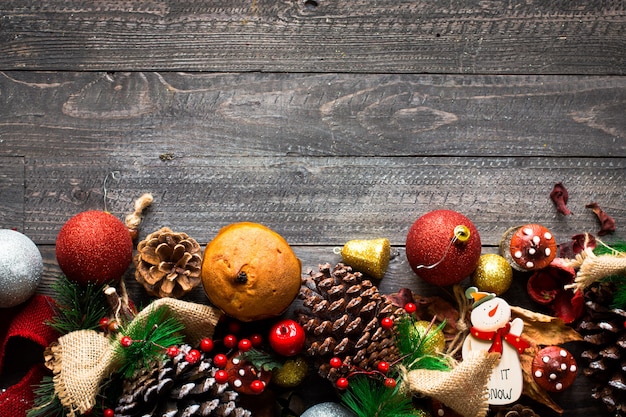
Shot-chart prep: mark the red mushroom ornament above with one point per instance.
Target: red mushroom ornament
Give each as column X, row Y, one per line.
column 529, row 247
column 443, row 247
column 554, row 368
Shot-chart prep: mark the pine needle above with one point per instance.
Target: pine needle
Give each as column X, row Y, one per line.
column 46, row 403
column 368, row 397
column 616, row 249
column 77, row 307
column 412, row 346
column 151, row 338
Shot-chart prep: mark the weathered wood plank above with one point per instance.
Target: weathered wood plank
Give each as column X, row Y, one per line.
column 12, row 193
column 326, row 200
column 538, row 37
column 181, row 114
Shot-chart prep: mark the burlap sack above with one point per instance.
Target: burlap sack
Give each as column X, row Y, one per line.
column 82, row 359
column 463, row 389
column 592, row 268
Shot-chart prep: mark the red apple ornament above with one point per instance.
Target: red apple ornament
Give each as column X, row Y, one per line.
column 443, row 247
column 94, row 246
column 287, row 337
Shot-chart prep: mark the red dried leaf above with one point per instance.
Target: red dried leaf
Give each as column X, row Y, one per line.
column 607, row 223
column 576, row 245
column 559, row 196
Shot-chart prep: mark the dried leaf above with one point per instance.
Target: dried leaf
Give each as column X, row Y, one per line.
column 607, row 223
column 559, row 196
column 541, row 330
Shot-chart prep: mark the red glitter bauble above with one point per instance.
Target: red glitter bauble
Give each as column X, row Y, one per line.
column 432, row 255
column 94, row 246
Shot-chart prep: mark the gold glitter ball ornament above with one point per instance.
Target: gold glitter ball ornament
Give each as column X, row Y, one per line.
column 435, row 340
column 368, row 256
column 493, row 274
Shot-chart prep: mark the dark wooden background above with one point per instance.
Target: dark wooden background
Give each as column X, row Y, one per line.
column 325, row 120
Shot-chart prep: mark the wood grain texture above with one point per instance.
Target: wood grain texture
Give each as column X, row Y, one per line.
column 146, row 115
column 12, row 193
column 533, row 37
column 326, row 200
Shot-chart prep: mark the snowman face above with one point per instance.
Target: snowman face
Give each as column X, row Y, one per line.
column 491, row 315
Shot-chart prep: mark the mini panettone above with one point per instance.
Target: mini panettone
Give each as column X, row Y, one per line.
column 168, row 263
column 250, row 272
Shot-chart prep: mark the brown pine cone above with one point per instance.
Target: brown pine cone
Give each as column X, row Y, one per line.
column 168, row 263
column 341, row 316
column 605, row 358
column 516, row 410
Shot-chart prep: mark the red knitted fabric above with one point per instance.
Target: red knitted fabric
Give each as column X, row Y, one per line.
column 27, row 321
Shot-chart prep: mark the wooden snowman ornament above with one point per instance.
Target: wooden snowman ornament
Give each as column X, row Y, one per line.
column 493, row 331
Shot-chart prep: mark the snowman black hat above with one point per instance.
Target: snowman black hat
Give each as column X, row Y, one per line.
column 479, row 297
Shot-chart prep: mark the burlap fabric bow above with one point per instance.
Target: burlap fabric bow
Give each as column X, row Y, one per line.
column 81, row 360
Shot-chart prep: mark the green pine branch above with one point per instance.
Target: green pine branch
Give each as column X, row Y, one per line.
column 151, row 337
column 368, row 397
column 77, row 307
column 412, row 346
column 46, row 403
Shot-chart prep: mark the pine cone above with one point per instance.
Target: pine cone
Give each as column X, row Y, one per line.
column 168, row 263
column 342, row 318
column 174, row 387
column 605, row 360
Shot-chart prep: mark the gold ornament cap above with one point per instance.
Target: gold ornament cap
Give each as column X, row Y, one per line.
column 368, row 256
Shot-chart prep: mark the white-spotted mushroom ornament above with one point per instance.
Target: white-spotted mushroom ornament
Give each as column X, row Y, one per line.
column 493, row 331
column 529, row 247
column 554, row 369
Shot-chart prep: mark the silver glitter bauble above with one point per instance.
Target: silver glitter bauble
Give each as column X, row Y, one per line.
column 21, row 268
column 328, row 409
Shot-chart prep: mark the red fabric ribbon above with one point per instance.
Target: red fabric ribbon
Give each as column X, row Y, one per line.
column 26, row 321
column 496, row 338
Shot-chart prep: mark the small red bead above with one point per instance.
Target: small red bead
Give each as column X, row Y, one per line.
column 386, row 323
column 193, row 356
column 172, row 351
column 206, row 344
column 108, row 412
column 256, row 339
column 244, row 345
column 383, row 366
column 335, row 362
column 257, row 386
column 410, row 308
column 342, row 383
column 104, row 323
column 221, row 376
column 126, row 341
column 390, row 382
column 234, row 326
column 220, row 360
column 230, row 341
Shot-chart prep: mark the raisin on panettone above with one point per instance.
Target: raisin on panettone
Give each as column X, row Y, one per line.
column 342, row 318
column 168, row 263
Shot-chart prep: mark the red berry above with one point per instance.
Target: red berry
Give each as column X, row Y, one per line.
column 383, row 366
column 244, row 345
column 193, row 356
column 108, row 412
column 172, row 351
column 230, row 341
column 342, row 383
column 410, row 308
column 220, row 360
column 104, row 323
column 335, row 362
column 206, row 344
column 221, row 376
column 287, row 337
column 390, row 383
column 386, row 323
column 256, row 339
column 126, row 341
column 234, row 327
column 257, row 386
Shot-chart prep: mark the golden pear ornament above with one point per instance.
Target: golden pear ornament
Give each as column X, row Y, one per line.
column 370, row 256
